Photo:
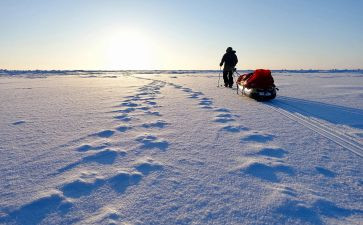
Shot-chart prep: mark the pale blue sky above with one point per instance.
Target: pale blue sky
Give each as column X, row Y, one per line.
column 188, row 34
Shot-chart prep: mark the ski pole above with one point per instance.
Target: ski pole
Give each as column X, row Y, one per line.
column 219, row 75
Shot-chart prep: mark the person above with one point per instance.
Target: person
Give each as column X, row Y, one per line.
column 229, row 60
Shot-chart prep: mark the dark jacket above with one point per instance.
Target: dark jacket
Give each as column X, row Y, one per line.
column 230, row 60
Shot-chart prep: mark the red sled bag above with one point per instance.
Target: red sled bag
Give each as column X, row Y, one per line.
column 260, row 79
column 258, row 85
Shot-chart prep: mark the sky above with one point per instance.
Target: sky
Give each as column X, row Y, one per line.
column 175, row 34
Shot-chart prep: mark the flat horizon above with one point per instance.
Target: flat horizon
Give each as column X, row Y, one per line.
column 115, row 70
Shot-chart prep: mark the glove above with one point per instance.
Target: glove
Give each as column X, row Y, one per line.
column 234, row 69
column 220, row 64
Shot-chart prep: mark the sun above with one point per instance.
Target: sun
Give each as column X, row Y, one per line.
column 128, row 49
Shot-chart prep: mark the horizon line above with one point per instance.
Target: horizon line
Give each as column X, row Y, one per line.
column 116, row 70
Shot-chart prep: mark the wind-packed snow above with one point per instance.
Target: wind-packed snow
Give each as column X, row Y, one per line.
column 128, row 148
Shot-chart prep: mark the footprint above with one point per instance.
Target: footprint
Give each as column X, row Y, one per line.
column 150, row 141
column 205, row 102
column 224, row 115
column 144, row 108
column 123, row 128
column 157, row 124
column 84, row 186
column 105, row 133
column 86, row 147
column 222, row 110
column 300, row 210
column 121, row 181
column 148, row 165
column 195, row 94
column 123, row 117
column 151, row 103
column 273, row 152
column 313, row 213
column 224, row 118
column 34, row 212
column 262, row 138
column 325, row 172
column 188, row 90
column 267, row 171
column 234, row 129
column 129, row 104
column 152, row 113
column 105, row 157
column 80, row 187
column 127, row 110
column 330, row 209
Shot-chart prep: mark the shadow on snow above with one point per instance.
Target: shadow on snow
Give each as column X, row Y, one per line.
column 333, row 113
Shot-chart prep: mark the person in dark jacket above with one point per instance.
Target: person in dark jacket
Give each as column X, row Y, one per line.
column 230, row 61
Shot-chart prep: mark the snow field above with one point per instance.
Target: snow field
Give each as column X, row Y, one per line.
column 177, row 150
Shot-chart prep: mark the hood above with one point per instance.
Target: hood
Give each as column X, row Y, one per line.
column 230, row 50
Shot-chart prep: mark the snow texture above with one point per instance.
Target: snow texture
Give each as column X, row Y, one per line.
column 169, row 147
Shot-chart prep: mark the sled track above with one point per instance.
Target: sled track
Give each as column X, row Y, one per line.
column 339, row 138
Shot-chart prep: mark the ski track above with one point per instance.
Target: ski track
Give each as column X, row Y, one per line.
column 267, row 164
column 321, row 128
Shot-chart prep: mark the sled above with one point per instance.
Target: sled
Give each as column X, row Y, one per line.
column 258, row 85
column 257, row 93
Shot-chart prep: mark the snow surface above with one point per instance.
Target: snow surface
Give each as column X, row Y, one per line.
column 123, row 148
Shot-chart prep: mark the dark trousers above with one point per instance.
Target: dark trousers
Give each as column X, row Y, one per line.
column 228, row 78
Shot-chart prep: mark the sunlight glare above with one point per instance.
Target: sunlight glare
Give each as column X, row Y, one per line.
column 128, row 49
